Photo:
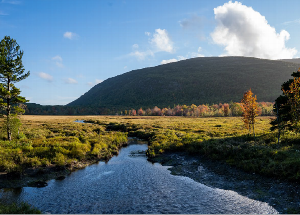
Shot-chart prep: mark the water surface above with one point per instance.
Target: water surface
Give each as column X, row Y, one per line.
column 128, row 183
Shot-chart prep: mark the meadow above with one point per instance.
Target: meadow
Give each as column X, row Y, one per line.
column 45, row 141
column 59, row 143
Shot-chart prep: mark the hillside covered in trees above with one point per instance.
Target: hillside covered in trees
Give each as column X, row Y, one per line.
column 204, row 80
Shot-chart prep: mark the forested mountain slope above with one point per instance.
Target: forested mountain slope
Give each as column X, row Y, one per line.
column 192, row 81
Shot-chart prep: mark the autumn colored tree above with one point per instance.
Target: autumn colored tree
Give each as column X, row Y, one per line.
column 226, row 109
column 133, row 112
column 141, row 112
column 250, row 110
column 11, row 71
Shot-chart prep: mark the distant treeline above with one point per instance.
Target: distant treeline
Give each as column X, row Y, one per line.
column 36, row 109
column 231, row 109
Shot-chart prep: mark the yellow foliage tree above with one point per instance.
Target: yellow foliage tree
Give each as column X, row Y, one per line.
column 250, row 110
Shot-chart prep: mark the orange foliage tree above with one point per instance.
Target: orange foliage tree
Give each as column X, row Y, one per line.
column 250, row 110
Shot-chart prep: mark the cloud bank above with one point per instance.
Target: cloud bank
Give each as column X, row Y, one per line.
column 245, row 32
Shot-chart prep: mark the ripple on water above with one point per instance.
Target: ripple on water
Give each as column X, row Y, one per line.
column 131, row 184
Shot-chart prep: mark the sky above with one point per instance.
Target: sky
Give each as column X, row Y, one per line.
column 71, row 45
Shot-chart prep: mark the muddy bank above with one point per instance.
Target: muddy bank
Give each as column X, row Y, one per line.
column 282, row 195
column 38, row 177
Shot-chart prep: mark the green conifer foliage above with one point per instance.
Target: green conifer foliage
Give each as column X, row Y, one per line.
column 11, row 71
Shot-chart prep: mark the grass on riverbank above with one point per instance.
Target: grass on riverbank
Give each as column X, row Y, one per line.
column 217, row 138
column 55, row 141
column 22, row 208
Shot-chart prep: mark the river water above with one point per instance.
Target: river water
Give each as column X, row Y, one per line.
column 128, row 183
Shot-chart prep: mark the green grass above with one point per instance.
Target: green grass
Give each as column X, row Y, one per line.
column 61, row 143
column 222, row 139
column 22, row 208
column 56, row 140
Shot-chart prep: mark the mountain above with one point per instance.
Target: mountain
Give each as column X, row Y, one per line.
column 203, row 80
column 294, row 60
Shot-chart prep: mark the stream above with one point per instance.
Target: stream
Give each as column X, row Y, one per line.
column 128, row 183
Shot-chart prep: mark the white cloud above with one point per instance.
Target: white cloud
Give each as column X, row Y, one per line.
column 97, row 81
column 58, row 61
column 45, row 76
column 57, row 58
column 162, row 41
column 141, row 55
column 70, row 81
column 245, row 32
column 70, row 35
column 135, row 46
column 179, row 58
column 297, row 21
column 195, row 54
column 168, row 61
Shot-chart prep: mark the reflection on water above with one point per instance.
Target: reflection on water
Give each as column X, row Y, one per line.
column 131, row 184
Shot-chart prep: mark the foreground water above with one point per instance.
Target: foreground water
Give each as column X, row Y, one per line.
column 128, row 183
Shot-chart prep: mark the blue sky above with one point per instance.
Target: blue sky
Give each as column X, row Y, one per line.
column 71, row 45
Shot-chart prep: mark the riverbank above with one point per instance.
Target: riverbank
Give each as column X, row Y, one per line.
column 282, row 195
column 223, row 138
column 52, row 147
column 57, row 141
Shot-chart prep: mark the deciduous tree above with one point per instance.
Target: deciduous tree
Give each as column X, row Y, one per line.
column 250, row 110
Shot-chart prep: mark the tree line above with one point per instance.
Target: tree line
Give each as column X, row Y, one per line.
column 214, row 110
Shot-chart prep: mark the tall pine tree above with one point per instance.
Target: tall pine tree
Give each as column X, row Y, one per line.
column 11, row 71
column 286, row 106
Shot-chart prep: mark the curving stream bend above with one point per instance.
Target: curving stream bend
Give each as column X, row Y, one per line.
column 128, row 183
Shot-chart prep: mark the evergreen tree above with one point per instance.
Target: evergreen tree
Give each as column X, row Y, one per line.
column 11, row 71
column 286, row 107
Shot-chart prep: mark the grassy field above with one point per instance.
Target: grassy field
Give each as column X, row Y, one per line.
column 45, row 141
column 59, row 141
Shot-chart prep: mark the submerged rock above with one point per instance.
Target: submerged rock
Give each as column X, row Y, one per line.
column 38, row 184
